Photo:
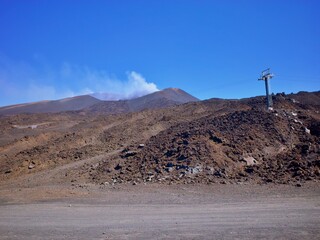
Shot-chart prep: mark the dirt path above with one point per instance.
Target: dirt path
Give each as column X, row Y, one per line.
column 52, row 176
column 155, row 212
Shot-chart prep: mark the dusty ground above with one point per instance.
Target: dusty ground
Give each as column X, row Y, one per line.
column 214, row 169
column 162, row 212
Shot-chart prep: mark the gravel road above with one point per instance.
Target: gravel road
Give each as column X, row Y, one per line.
column 233, row 216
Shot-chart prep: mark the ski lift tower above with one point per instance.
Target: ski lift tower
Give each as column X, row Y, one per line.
column 265, row 76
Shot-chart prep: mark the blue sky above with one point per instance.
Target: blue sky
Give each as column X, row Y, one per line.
column 55, row 49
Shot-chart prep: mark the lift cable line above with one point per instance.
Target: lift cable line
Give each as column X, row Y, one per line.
column 265, row 76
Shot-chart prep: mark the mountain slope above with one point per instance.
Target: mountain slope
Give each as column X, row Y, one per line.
column 206, row 141
column 66, row 104
column 161, row 99
column 309, row 98
column 165, row 98
column 243, row 145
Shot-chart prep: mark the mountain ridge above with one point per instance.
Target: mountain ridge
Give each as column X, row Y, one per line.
column 164, row 98
column 47, row 106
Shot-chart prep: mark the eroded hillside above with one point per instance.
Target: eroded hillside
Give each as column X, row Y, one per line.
column 209, row 141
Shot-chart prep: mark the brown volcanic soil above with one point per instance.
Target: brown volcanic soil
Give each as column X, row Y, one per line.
column 241, row 146
column 246, row 144
column 201, row 142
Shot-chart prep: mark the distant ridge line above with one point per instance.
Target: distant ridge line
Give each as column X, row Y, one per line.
column 164, row 98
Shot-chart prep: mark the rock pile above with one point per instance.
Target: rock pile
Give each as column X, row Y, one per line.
column 252, row 145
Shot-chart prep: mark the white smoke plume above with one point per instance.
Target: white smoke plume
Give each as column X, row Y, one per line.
column 23, row 82
column 135, row 86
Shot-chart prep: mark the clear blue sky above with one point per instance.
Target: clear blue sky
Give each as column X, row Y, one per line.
column 54, row 49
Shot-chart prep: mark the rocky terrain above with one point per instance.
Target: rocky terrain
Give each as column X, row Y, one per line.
column 212, row 141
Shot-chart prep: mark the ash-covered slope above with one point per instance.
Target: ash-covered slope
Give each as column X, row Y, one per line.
column 205, row 141
column 307, row 98
column 161, row 99
column 281, row 146
column 66, row 104
column 165, row 98
column 304, row 100
column 271, row 147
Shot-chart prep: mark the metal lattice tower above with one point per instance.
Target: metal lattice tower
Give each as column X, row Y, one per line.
column 265, row 76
